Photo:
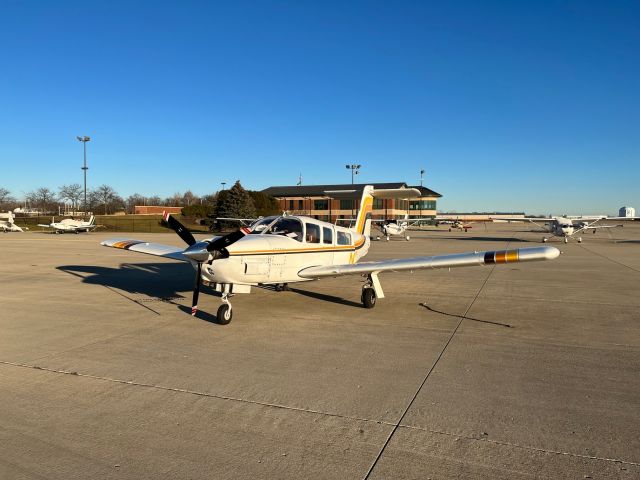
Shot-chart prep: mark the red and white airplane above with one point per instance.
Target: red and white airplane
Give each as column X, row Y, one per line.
column 286, row 249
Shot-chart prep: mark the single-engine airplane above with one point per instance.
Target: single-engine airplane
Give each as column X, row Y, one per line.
column 285, row 249
column 71, row 225
column 567, row 228
column 8, row 225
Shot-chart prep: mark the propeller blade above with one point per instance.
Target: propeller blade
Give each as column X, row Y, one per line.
column 180, row 229
column 196, row 291
column 228, row 239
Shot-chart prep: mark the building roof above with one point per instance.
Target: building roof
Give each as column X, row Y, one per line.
column 319, row 190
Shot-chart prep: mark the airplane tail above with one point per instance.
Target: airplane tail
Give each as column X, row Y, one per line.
column 92, row 220
column 363, row 220
column 10, row 217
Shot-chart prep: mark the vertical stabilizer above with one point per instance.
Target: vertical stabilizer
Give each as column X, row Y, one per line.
column 363, row 221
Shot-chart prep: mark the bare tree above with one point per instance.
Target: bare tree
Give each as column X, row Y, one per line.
column 72, row 193
column 189, row 198
column 106, row 195
column 5, row 197
column 133, row 200
column 155, row 200
column 43, row 198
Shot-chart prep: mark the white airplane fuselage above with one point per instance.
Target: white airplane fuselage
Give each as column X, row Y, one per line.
column 268, row 258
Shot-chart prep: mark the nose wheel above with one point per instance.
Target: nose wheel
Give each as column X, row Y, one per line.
column 566, row 240
column 545, row 239
column 224, row 314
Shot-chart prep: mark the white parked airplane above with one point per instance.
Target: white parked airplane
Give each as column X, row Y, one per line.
column 71, row 225
column 8, row 225
column 568, row 227
column 287, row 249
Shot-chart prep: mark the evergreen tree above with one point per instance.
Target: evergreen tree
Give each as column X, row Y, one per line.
column 265, row 204
column 235, row 203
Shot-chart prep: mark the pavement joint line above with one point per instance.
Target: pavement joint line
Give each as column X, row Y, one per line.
column 197, row 393
column 524, row 447
column 433, row 366
column 608, row 258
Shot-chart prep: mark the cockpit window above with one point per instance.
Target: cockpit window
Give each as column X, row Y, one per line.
column 344, row 238
column 290, row 227
column 259, row 225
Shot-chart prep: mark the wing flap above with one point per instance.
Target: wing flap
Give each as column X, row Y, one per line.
column 140, row 246
column 438, row 261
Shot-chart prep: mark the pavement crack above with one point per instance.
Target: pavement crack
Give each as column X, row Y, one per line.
column 433, row 366
column 197, row 393
column 523, row 447
column 608, row 258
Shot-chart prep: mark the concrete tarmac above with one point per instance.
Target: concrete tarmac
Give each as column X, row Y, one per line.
column 504, row 372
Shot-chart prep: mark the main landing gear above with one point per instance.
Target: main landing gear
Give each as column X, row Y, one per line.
column 371, row 291
column 282, row 287
column 224, row 314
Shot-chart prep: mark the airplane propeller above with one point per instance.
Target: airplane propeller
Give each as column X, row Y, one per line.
column 199, row 252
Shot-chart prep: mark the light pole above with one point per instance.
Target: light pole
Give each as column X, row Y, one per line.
column 84, row 140
column 420, row 199
column 355, row 169
column 223, row 184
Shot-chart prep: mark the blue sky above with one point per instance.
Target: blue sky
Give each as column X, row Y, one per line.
column 508, row 105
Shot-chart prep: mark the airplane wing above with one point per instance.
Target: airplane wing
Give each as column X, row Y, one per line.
column 438, row 261
column 157, row 249
column 522, row 219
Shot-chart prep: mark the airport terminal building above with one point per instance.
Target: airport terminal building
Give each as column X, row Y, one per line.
column 314, row 201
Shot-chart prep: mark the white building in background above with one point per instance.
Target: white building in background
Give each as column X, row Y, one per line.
column 627, row 212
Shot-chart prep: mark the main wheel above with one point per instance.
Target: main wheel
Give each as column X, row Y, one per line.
column 544, row 239
column 225, row 314
column 388, row 238
column 368, row 298
column 566, row 240
column 579, row 239
column 407, row 238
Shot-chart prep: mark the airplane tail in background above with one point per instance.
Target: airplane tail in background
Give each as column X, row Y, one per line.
column 92, row 220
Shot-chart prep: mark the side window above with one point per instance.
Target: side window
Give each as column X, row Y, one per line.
column 344, row 238
column 313, row 233
column 327, row 235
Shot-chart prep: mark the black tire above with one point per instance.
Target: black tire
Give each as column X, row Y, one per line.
column 224, row 315
column 368, row 298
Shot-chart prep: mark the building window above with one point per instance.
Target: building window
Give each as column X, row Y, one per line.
column 378, row 203
column 422, row 205
column 346, row 204
column 300, row 204
column 321, row 204
column 291, row 205
column 327, row 235
column 313, row 233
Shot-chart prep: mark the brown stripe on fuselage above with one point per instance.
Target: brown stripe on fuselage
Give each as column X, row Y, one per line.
column 505, row 256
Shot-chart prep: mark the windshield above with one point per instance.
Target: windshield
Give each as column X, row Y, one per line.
column 259, row 225
column 290, row 227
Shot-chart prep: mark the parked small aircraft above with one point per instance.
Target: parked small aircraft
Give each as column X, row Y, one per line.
column 285, row 249
column 71, row 225
column 8, row 225
column 568, row 227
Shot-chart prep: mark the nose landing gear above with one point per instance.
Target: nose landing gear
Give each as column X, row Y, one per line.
column 224, row 314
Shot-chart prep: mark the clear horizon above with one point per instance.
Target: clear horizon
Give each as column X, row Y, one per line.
column 507, row 106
